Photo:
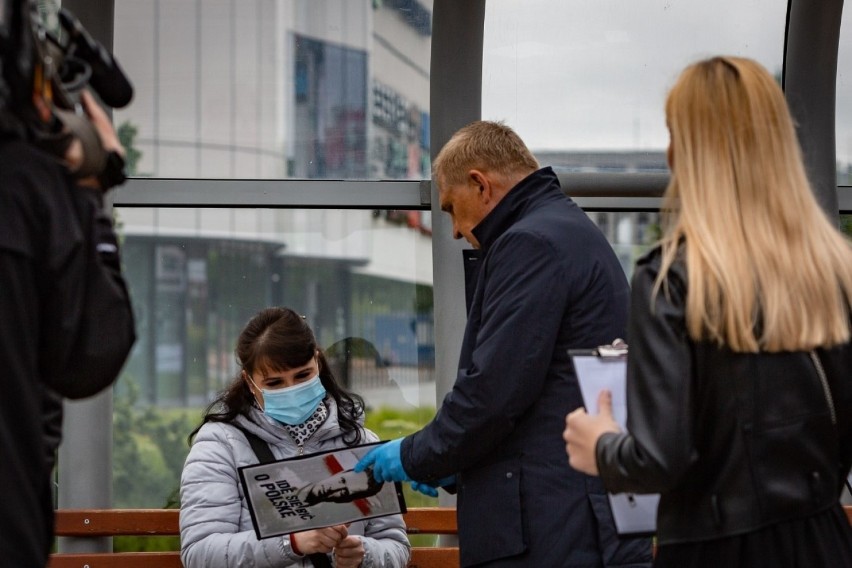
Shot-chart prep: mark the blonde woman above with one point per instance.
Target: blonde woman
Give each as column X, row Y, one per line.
column 740, row 366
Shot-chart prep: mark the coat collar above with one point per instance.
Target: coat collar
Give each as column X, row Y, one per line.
column 515, row 203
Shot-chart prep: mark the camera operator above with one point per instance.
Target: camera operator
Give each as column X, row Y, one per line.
column 66, row 323
column 51, row 226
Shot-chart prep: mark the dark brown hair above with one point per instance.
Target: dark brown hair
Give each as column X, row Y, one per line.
column 280, row 339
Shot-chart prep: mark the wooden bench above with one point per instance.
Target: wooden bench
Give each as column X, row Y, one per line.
column 164, row 522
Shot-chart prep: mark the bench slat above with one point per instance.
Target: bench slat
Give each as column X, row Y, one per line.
column 434, row 557
column 115, row 522
column 420, row 558
column 116, row 560
column 165, row 522
column 431, row 520
column 152, row 522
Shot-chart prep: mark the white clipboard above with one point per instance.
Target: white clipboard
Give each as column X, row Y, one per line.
column 606, row 368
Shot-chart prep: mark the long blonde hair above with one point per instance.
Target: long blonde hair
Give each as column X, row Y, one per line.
column 767, row 270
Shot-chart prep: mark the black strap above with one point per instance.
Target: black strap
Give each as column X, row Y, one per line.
column 261, row 448
column 264, row 455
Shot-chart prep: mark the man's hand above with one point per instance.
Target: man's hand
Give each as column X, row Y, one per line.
column 425, row 488
column 349, row 553
column 385, row 461
column 582, row 432
column 102, row 124
column 320, row 540
column 75, row 155
column 431, row 488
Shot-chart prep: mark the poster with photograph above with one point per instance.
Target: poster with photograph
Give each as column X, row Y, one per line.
column 318, row 490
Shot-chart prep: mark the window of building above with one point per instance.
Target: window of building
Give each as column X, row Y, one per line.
column 265, row 89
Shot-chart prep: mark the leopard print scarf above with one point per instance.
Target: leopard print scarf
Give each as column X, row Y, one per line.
column 302, row 432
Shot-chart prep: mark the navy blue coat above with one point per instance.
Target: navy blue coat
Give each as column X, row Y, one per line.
column 548, row 282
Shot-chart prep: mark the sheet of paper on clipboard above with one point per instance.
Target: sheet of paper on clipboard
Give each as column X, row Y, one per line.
column 606, row 368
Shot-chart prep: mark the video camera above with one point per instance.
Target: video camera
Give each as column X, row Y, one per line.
column 47, row 58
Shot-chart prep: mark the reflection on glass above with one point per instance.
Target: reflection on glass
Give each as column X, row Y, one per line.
column 363, row 280
column 631, row 234
column 331, row 110
column 584, row 84
column 843, row 117
column 266, row 89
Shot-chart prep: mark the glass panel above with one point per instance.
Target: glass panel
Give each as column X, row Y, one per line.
column 363, row 280
column 630, row 233
column 266, row 89
column 843, row 116
column 584, row 83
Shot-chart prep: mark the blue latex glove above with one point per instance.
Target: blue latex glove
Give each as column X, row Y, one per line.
column 449, row 480
column 424, row 488
column 385, row 461
column 431, row 489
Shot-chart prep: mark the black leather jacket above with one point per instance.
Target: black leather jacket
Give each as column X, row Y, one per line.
column 732, row 441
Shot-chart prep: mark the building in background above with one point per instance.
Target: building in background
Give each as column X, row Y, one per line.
column 273, row 89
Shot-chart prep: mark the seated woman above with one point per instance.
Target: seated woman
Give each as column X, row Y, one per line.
column 286, row 395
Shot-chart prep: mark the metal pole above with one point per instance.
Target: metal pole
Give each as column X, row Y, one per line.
column 456, row 100
column 810, row 75
column 85, row 456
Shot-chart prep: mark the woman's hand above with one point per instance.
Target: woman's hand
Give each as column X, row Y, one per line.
column 349, row 553
column 319, row 540
column 583, row 430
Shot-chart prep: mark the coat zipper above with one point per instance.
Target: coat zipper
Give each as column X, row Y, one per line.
column 825, row 387
column 298, row 445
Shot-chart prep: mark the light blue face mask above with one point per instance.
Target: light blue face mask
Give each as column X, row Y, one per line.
column 293, row 405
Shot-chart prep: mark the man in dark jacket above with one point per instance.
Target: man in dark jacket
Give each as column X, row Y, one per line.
column 66, row 323
column 548, row 282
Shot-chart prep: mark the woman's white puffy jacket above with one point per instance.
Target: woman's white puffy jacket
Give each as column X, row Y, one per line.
column 215, row 525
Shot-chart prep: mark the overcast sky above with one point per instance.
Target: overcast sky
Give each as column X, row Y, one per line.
column 593, row 74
